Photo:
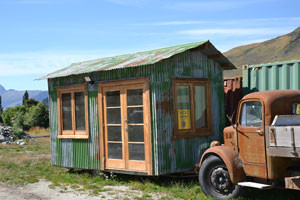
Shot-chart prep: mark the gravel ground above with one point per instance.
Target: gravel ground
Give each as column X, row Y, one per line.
column 41, row 191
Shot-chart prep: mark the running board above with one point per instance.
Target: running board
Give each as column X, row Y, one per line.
column 254, row 185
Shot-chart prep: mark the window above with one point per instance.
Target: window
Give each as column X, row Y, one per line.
column 251, row 115
column 73, row 112
column 192, row 107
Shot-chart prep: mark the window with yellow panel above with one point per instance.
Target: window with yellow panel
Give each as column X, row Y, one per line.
column 192, row 107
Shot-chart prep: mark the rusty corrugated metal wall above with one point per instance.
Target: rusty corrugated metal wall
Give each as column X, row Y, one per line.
column 271, row 76
column 233, row 93
column 169, row 155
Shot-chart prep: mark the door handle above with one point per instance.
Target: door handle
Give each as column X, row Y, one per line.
column 260, row 132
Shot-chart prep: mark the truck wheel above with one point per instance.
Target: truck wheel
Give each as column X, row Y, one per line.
column 215, row 181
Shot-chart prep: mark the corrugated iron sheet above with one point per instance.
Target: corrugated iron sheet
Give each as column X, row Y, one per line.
column 137, row 59
column 169, row 155
column 75, row 153
column 233, row 91
column 272, row 76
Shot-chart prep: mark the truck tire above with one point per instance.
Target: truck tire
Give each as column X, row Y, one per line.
column 215, row 181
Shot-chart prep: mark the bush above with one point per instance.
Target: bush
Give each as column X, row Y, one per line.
column 37, row 116
column 23, row 118
column 9, row 114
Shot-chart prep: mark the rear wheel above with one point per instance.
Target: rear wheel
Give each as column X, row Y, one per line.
column 215, row 181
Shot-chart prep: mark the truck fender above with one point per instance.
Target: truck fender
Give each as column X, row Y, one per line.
column 231, row 160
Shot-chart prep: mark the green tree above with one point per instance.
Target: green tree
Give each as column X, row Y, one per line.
column 30, row 102
column 25, row 97
column 9, row 114
column 37, row 116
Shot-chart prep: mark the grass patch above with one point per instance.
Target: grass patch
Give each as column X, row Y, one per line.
column 27, row 164
column 38, row 131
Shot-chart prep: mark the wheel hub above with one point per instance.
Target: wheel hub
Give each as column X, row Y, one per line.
column 220, row 179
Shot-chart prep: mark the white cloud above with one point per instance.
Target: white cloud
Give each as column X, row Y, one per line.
column 41, row 62
column 254, row 21
column 235, row 31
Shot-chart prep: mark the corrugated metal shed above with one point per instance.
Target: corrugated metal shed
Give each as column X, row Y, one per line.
column 169, row 155
column 138, row 59
column 271, row 76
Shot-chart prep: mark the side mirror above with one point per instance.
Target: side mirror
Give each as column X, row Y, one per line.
column 230, row 119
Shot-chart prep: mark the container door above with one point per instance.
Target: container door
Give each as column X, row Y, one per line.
column 251, row 139
column 127, row 127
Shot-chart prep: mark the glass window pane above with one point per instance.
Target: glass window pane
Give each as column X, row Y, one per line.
column 135, row 115
column 114, row 133
column 251, row 114
column 113, row 98
column 184, row 107
column 80, row 111
column 200, row 106
column 66, row 111
column 136, row 152
column 134, row 97
column 115, row 150
column 136, row 133
column 113, row 115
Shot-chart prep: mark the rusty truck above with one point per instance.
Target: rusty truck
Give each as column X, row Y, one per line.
column 261, row 148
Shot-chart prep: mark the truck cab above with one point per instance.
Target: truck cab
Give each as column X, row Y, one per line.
column 261, row 149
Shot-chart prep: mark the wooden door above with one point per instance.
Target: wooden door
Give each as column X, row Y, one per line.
column 126, row 126
column 251, row 139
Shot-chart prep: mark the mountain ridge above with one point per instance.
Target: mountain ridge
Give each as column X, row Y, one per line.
column 282, row 48
column 13, row 97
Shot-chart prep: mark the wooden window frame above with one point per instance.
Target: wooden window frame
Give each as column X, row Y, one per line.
column 72, row 134
column 193, row 132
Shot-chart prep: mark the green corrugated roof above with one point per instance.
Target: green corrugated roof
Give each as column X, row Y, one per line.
column 136, row 59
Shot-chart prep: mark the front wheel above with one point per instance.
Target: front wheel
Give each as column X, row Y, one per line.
column 215, row 181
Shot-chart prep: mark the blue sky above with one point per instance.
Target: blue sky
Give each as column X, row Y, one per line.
column 40, row 36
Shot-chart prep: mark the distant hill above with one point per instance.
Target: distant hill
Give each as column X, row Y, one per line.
column 285, row 47
column 12, row 98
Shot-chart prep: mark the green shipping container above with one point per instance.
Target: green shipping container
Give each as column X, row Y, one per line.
column 150, row 113
column 271, row 76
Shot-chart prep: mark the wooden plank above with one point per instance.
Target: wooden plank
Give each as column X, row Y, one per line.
column 73, row 136
column 101, row 127
column 292, row 183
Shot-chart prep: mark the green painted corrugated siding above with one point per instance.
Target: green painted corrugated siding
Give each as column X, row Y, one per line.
column 75, row 153
column 272, row 76
column 169, row 155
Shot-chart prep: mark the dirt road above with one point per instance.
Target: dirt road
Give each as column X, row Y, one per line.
column 41, row 191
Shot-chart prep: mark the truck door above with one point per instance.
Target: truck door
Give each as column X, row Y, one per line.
column 251, row 140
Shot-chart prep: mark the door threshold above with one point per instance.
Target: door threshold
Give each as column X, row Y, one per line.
column 126, row 172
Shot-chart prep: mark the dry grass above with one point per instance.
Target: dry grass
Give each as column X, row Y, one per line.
column 38, row 131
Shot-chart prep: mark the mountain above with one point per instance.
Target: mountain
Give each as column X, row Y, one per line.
column 285, row 47
column 12, row 98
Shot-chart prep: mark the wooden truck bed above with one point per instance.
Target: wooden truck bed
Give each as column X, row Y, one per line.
column 283, row 136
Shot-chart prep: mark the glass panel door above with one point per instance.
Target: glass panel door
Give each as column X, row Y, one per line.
column 135, row 124
column 126, row 127
column 113, row 129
